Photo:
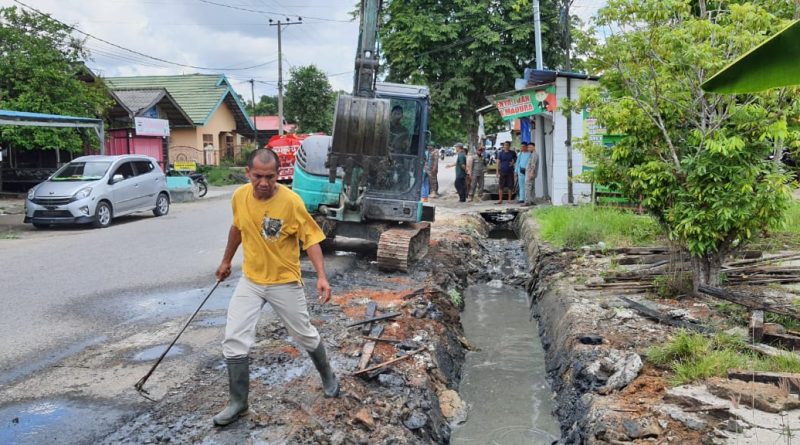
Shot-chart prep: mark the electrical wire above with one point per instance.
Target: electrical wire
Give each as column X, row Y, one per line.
column 257, row 11
column 137, row 52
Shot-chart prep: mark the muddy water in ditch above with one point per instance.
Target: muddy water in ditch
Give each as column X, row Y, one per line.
column 503, row 382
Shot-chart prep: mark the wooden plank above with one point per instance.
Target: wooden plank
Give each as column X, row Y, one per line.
column 369, row 347
column 658, row 316
column 387, row 340
column 757, row 325
column 370, row 320
column 771, row 351
column 775, row 378
column 371, row 308
column 786, row 340
column 387, row 363
column 750, row 301
column 730, row 267
column 643, row 259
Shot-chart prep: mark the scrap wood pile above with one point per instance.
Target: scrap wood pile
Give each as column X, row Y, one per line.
column 369, row 331
column 750, row 269
column 753, row 269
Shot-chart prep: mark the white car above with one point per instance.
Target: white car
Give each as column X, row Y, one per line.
column 97, row 189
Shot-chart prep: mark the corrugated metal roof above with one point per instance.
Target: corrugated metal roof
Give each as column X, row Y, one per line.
column 198, row 95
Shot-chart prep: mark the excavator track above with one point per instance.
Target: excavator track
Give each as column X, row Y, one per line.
column 399, row 247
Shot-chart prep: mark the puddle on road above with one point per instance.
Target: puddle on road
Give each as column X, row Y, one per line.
column 504, row 382
column 55, row 421
column 158, row 307
column 154, row 352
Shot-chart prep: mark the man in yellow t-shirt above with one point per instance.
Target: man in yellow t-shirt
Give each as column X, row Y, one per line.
column 270, row 221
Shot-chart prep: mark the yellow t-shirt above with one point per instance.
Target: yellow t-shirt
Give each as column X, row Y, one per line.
column 270, row 231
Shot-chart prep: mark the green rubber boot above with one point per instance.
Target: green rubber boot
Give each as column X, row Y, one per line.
column 330, row 385
column 239, row 382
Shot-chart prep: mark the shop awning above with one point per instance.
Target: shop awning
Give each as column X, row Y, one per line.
column 772, row 64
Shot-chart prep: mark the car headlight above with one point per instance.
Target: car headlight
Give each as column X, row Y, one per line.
column 31, row 193
column 82, row 193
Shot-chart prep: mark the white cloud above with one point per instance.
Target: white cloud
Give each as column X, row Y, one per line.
column 192, row 32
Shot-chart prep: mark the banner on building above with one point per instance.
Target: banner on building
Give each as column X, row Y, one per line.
column 146, row 126
column 529, row 102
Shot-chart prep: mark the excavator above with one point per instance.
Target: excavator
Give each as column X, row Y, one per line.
column 364, row 181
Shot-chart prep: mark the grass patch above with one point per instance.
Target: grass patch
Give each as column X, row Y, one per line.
column 455, row 297
column 692, row 356
column 219, row 176
column 579, row 226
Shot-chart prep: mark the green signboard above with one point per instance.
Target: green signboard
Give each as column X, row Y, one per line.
column 526, row 103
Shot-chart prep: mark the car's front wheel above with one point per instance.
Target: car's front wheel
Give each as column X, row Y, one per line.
column 162, row 205
column 102, row 215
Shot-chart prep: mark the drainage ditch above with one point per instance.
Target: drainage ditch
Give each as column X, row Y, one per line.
column 503, row 378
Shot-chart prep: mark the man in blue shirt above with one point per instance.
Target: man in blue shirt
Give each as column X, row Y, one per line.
column 461, row 173
column 505, row 171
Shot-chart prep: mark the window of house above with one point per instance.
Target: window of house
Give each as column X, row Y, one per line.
column 208, row 139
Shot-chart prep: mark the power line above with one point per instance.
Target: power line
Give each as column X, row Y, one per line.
column 258, row 11
column 137, row 52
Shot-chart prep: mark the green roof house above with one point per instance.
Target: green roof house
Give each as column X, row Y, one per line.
column 208, row 122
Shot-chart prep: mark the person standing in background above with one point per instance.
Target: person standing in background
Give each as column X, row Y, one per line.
column 505, row 171
column 520, row 169
column 426, row 184
column 461, row 172
column 531, row 171
column 433, row 180
column 478, row 169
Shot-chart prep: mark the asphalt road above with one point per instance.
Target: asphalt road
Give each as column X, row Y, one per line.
column 57, row 285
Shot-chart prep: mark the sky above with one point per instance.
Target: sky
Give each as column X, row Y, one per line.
column 232, row 37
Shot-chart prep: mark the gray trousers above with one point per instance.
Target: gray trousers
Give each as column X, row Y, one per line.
column 530, row 190
column 244, row 310
column 476, row 184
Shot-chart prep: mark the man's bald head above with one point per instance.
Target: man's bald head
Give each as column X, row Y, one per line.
column 265, row 156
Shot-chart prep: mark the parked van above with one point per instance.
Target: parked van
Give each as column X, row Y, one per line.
column 96, row 189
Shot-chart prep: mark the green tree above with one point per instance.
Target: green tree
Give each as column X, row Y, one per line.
column 41, row 70
column 266, row 106
column 465, row 50
column 309, row 100
column 697, row 161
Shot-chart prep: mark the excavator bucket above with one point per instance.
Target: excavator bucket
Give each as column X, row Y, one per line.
column 360, row 131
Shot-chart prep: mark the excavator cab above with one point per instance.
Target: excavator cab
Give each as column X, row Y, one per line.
column 365, row 180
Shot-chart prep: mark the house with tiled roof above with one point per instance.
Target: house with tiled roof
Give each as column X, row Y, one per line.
column 207, row 121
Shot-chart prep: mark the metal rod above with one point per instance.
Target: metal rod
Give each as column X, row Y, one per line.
column 140, row 384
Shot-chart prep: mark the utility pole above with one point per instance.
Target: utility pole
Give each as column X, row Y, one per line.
column 537, row 29
column 567, row 41
column 280, row 25
column 255, row 121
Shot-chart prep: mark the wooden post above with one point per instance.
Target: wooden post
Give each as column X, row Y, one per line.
column 757, row 325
